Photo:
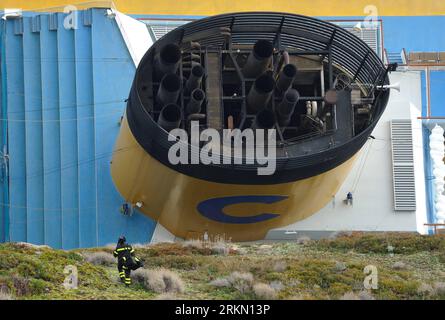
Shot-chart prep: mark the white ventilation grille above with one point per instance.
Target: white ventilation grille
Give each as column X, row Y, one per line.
column 403, row 165
column 368, row 35
column 158, row 29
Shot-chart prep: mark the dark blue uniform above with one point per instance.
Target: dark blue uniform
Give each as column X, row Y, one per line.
column 126, row 261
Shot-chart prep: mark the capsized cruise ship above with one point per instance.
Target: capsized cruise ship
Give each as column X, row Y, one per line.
column 319, row 86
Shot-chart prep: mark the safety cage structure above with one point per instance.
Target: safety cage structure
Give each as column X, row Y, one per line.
column 207, row 70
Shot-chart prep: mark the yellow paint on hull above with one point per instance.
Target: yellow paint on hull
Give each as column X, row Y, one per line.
column 171, row 198
column 209, row 7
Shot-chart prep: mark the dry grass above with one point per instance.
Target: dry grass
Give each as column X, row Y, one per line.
column 5, row 295
column 100, row 258
column 110, row 246
column 280, row 266
column 241, row 281
column 349, row 296
column 294, row 271
column 220, row 283
column 439, row 288
column 304, row 240
column 141, row 245
column 399, row 265
column 159, row 280
column 365, row 295
column 221, row 248
column 340, row 266
column 425, row 289
column 398, row 242
column 197, row 244
column 173, row 283
column 277, row 285
column 264, row 291
column 166, row 296
column 362, row 295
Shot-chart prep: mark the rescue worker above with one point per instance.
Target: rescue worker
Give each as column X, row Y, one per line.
column 126, row 260
column 349, row 198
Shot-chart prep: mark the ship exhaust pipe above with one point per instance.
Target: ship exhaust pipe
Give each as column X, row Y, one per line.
column 265, row 119
column 195, row 78
column 169, row 89
column 167, row 61
column 286, row 77
column 170, row 117
column 259, row 59
column 260, row 92
column 287, row 107
column 196, row 99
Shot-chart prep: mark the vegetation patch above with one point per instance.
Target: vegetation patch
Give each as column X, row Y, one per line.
column 408, row 266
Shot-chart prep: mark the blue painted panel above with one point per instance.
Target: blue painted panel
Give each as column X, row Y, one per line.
column 16, row 132
column 85, row 132
column 113, row 72
column 414, row 33
column 429, row 177
column 437, row 79
column 4, row 215
column 51, row 135
column 68, row 136
column 33, row 118
column 424, row 96
column 74, row 89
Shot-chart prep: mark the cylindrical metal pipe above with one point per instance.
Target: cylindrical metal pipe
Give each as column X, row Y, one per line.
column 286, row 108
column 331, row 97
column 286, row 77
column 170, row 117
column 195, row 78
column 196, row 99
column 258, row 59
column 260, row 92
column 169, row 89
column 265, row 119
column 192, row 57
column 167, row 60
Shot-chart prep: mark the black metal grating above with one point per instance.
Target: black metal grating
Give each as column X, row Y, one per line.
column 295, row 32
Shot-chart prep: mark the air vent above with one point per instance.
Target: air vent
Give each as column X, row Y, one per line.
column 403, row 165
column 368, row 35
column 159, row 29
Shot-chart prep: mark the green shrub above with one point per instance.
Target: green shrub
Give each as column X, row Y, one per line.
column 8, row 260
column 398, row 289
column 38, row 286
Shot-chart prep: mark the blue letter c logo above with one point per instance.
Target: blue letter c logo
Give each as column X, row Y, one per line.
column 213, row 208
